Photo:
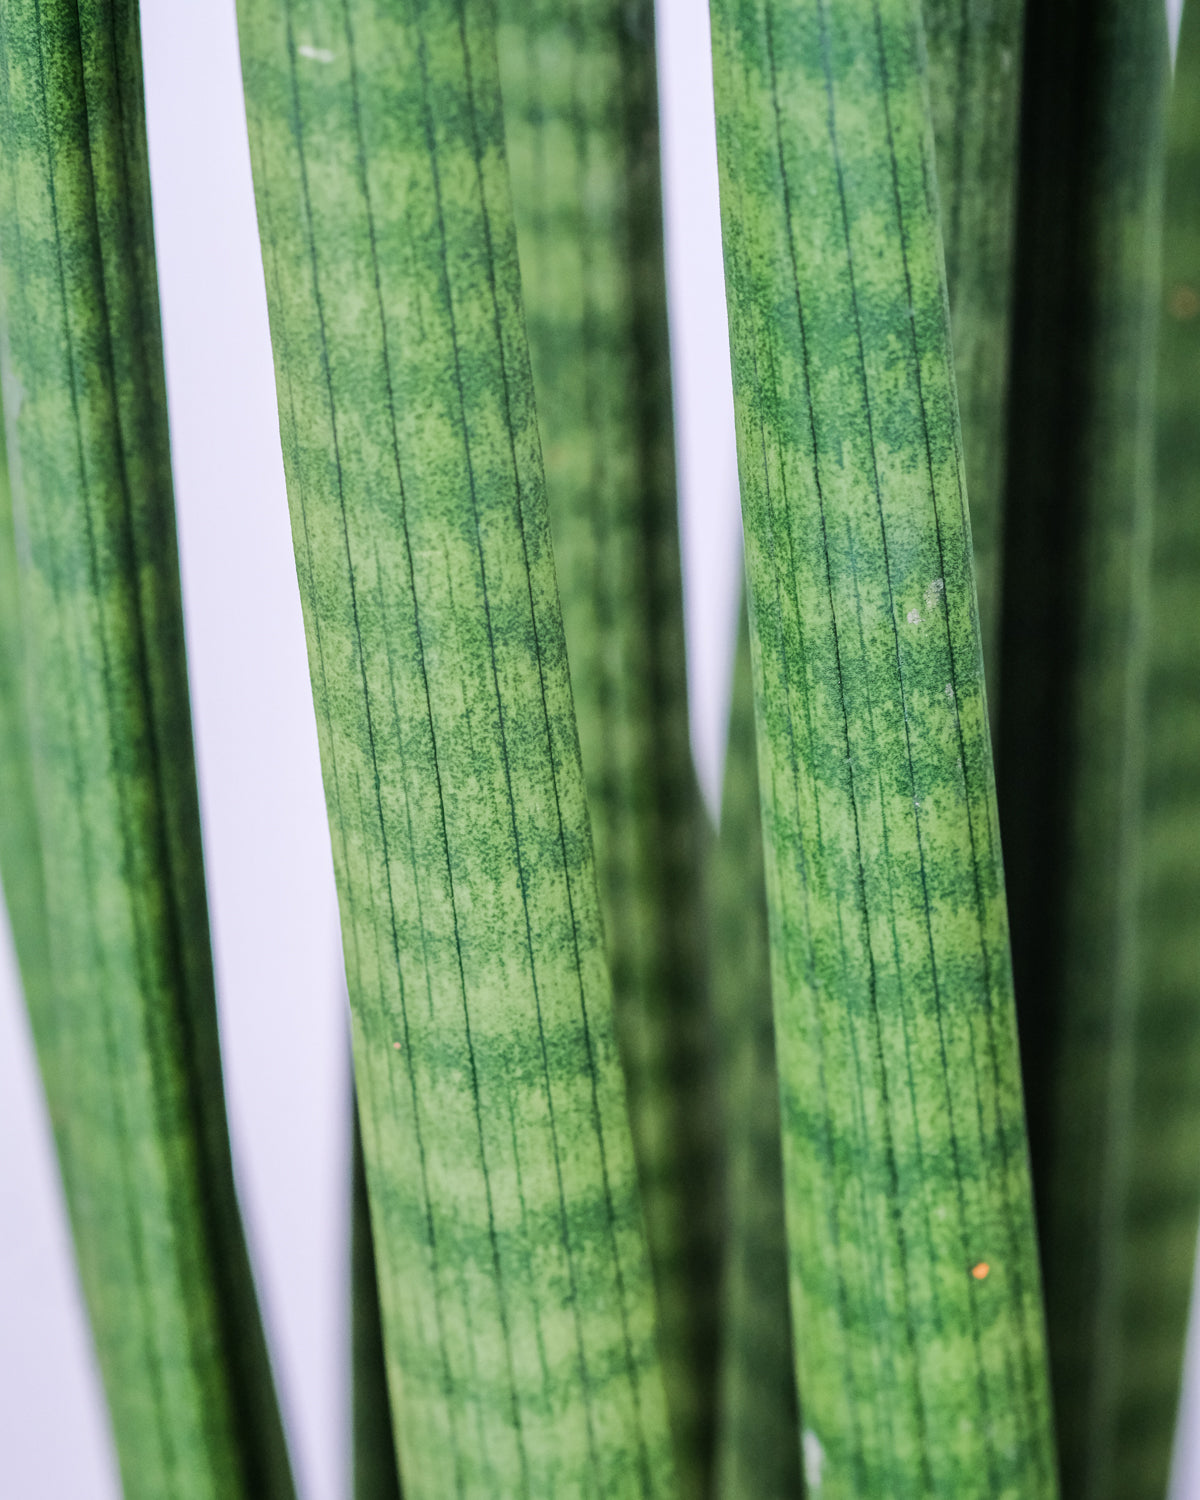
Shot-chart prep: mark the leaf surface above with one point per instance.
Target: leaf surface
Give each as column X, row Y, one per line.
column 581, row 122
column 1076, row 610
column 514, row 1279
column 1159, row 1229
column 758, row 1432
column 975, row 89
column 124, row 1015
column 914, row 1281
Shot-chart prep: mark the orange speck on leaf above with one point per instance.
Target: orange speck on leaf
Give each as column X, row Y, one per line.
column 1184, row 302
column 981, row 1270
column 395, row 1046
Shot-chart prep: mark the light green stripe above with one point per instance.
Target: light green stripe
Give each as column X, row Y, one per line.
column 904, row 1146
column 130, row 1055
column 514, row 1280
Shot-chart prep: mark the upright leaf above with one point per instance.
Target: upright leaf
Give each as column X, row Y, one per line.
column 914, row 1282
column 581, row 117
column 373, row 1438
column 518, row 1313
column 758, row 1431
column 1073, row 672
column 20, row 838
column 975, row 89
column 1159, row 1246
column 125, row 1021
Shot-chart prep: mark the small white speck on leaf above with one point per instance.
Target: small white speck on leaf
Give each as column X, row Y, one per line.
column 950, row 691
column 933, row 592
column 814, row 1458
column 913, row 617
column 315, row 54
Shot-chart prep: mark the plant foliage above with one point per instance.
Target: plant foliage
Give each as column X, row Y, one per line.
column 581, row 124
column 104, row 874
column 686, row 1165
column 914, row 1280
column 514, row 1279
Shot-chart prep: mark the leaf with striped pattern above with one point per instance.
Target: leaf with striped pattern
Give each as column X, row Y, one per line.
column 1158, row 1253
column 975, row 88
column 513, row 1273
column 914, row 1278
column 123, row 1011
column 581, row 123
column 1076, row 594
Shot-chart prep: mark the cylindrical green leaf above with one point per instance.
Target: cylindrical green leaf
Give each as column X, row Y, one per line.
column 758, row 1430
column 914, row 1280
column 1076, row 591
column 514, row 1279
column 20, row 838
column 975, row 90
column 1159, row 1248
column 581, row 120
column 126, row 1024
column 373, row 1456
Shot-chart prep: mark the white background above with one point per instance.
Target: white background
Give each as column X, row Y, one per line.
column 266, row 843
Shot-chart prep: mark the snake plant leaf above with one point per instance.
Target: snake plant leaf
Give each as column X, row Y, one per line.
column 125, row 1018
column 913, row 1270
column 758, row 1430
column 1158, row 1251
column 1077, row 583
column 975, row 88
column 581, row 121
column 518, row 1311
column 376, row 1476
column 20, row 838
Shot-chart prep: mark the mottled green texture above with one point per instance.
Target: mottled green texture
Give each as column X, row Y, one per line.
column 758, row 1431
column 374, row 1446
column 1073, row 667
column 1159, row 1225
column 126, row 1026
column 904, row 1143
column 975, row 85
column 514, row 1278
column 20, row 841
column 581, row 120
